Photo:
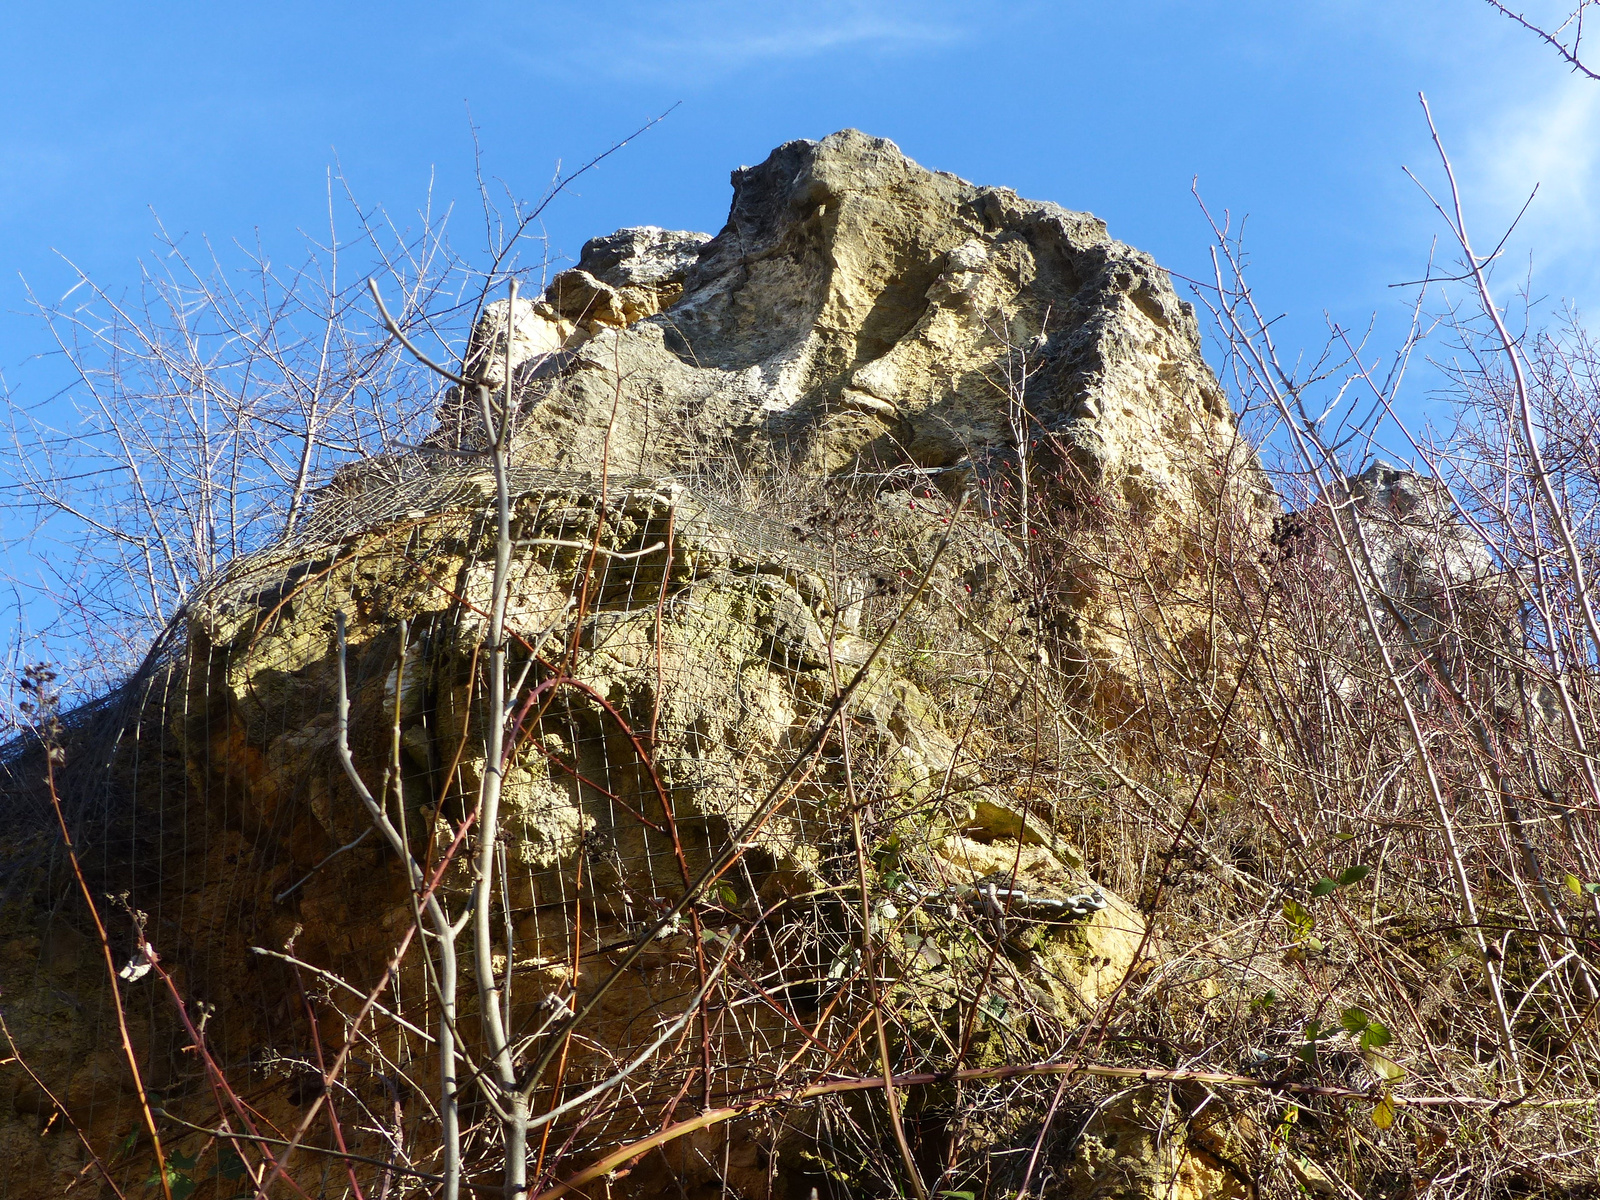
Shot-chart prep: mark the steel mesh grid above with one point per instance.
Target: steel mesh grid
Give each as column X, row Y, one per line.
column 405, row 518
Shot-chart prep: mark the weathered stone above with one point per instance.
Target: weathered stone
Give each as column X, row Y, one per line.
column 1420, row 550
column 625, row 277
column 537, row 331
column 860, row 313
column 723, row 661
column 859, row 309
column 857, row 314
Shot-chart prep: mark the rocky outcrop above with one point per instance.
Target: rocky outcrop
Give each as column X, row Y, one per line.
column 861, row 320
column 862, row 316
column 1437, row 590
column 859, row 311
column 1418, row 548
column 721, row 653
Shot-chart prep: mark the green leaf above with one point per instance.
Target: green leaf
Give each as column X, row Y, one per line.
column 1383, row 1113
column 1574, row 884
column 1300, row 920
column 1592, row 889
column 728, row 896
column 959, row 1195
column 1354, row 874
column 1324, row 887
column 229, row 1163
column 1374, row 1035
column 178, row 1181
column 1314, row 1032
column 1354, row 1020
column 1385, row 1069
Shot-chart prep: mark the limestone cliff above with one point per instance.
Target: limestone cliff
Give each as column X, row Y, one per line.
column 864, row 342
column 860, row 312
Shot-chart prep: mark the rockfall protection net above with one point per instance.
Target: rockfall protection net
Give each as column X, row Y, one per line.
column 674, row 667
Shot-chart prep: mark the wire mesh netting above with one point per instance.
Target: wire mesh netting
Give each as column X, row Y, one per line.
column 713, row 740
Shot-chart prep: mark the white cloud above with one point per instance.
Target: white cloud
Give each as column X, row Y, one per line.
column 1551, row 140
column 726, row 35
column 713, row 37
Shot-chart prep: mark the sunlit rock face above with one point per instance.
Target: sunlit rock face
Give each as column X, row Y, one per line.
column 861, row 310
column 1419, row 548
column 859, row 317
column 864, row 317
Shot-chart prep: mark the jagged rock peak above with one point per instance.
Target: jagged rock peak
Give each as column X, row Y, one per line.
column 1418, row 546
column 859, row 311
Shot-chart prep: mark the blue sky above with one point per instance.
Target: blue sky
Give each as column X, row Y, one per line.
column 222, row 119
